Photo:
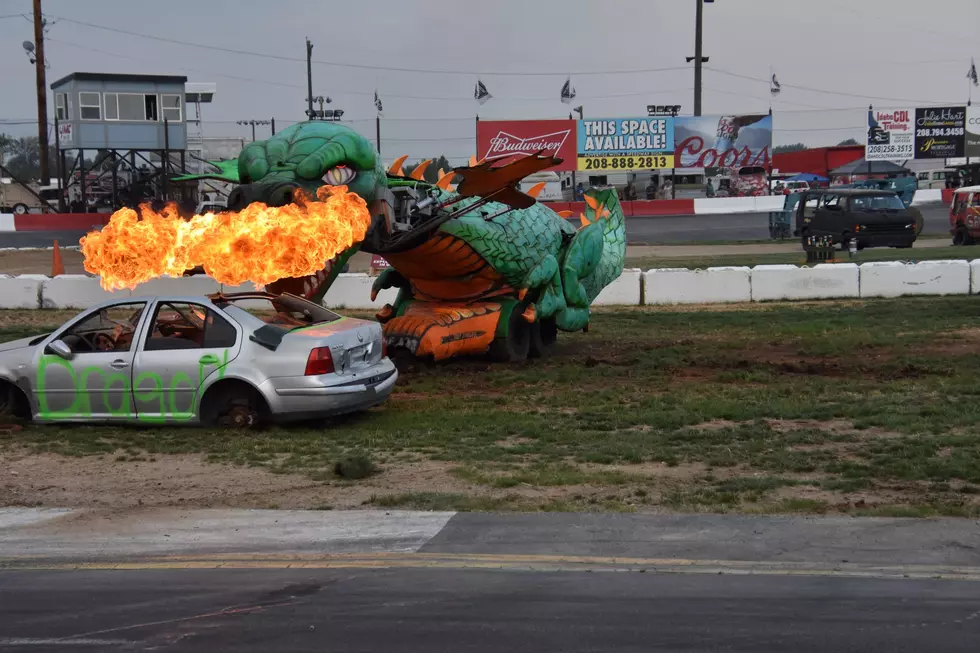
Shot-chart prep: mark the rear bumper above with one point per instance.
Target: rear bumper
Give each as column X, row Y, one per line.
column 310, row 401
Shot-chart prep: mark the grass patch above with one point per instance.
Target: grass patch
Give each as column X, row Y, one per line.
column 853, row 406
column 354, row 467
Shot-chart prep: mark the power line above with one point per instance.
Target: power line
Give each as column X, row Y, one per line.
column 763, row 80
column 458, row 98
column 266, row 55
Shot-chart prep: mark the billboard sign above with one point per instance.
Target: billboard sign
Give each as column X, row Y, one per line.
column 972, row 148
column 65, row 135
column 722, row 141
column 940, row 132
column 891, row 135
column 625, row 143
column 504, row 141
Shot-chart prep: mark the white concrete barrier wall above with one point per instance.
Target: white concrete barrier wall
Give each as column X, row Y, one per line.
column 825, row 281
column 927, row 195
column 975, row 277
column 20, row 292
column 723, row 205
column 624, row 291
column 684, row 286
column 353, row 290
column 894, row 279
column 769, row 202
column 76, row 291
column 7, row 222
column 762, row 203
column 656, row 286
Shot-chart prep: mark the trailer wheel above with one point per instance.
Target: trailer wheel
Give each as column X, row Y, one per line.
column 515, row 346
column 20, row 209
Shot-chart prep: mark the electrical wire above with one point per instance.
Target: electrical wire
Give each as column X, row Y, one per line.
column 763, row 80
column 266, row 55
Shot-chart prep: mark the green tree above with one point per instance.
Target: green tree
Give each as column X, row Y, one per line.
column 793, row 147
column 849, row 141
column 22, row 156
column 431, row 174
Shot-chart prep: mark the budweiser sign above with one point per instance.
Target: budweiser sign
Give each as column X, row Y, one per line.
column 504, row 144
column 503, row 141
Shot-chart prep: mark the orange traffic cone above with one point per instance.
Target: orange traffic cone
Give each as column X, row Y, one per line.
column 57, row 266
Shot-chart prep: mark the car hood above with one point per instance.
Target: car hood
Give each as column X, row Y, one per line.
column 18, row 344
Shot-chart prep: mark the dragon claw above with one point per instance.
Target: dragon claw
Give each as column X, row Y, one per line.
column 530, row 314
column 522, row 293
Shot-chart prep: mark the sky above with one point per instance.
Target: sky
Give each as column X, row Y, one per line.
column 832, row 58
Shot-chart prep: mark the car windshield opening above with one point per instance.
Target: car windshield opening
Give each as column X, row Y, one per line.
column 285, row 310
column 877, row 203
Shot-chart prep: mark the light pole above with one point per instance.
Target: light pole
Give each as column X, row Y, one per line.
column 697, row 58
column 321, row 113
column 253, row 123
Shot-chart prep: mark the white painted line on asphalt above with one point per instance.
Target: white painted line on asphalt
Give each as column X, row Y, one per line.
column 33, row 641
column 15, row 517
column 171, row 531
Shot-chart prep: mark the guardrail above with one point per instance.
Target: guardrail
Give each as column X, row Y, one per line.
column 659, row 286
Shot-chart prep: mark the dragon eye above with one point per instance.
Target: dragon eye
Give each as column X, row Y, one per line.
column 339, row 175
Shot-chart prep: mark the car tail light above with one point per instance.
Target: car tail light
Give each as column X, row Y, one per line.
column 319, row 362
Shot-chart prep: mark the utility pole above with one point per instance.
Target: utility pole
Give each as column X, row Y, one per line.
column 697, row 58
column 581, row 116
column 42, row 93
column 309, row 79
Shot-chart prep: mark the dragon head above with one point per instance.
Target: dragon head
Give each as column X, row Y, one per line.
column 306, row 155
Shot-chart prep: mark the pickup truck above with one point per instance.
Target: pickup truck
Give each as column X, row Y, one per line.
column 875, row 218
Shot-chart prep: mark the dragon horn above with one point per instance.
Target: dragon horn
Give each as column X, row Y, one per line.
column 473, row 161
column 584, row 220
column 591, row 201
column 536, row 189
column 565, row 214
column 396, row 166
column 420, row 170
column 444, row 179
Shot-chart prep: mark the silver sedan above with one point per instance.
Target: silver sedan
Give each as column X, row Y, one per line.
column 238, row 359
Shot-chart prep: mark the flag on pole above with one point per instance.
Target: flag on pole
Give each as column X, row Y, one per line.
column 480, row 93
column 377, row 101
column 972, row 75
column 774, row 86
column 568, row 91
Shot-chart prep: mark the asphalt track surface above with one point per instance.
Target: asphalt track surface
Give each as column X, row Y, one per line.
column 422, row 582
column 656, row 230
column 425, row 610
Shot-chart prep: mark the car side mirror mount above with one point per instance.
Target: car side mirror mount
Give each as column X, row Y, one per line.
column 59, row 348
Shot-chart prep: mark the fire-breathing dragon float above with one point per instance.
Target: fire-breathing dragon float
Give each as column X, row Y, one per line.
column 479, row 268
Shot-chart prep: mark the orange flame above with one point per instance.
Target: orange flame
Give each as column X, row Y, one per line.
column 259, row 243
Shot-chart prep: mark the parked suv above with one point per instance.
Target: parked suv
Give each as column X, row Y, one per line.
column 876, row 218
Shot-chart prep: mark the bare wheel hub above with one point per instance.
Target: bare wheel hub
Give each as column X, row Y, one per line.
column 241, row 417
